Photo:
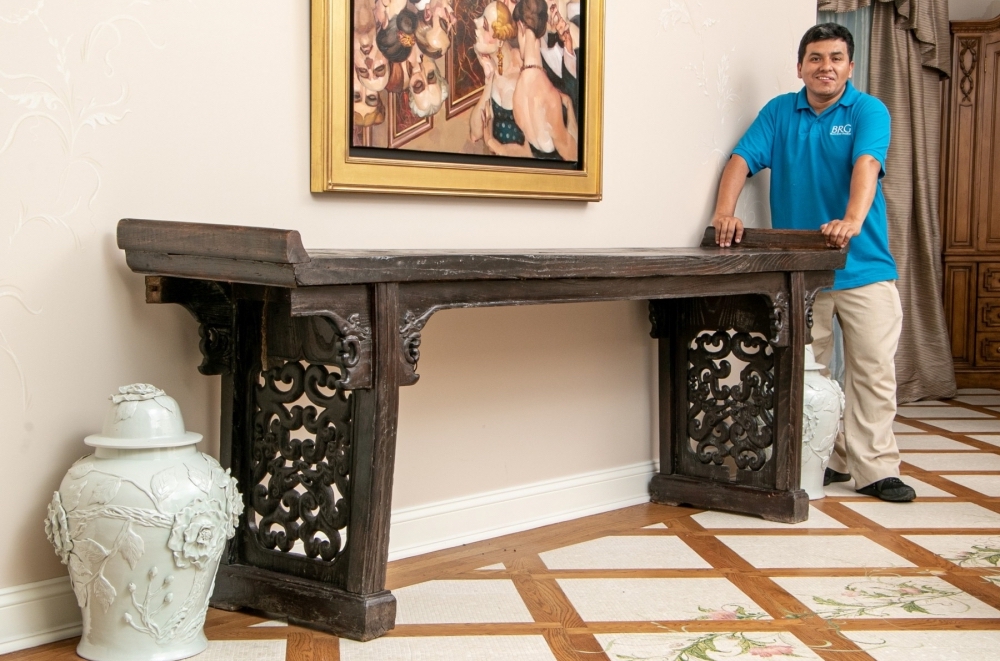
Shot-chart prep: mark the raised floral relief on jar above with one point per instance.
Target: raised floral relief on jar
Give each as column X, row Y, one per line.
column 142, row 524
column 822, row 407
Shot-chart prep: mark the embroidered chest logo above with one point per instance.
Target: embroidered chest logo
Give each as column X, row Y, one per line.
column 843, row 129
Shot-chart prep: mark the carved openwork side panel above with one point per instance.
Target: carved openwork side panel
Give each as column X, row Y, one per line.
column 725, row 395
column 300, row 420
column 730, row 399
column 300, row 470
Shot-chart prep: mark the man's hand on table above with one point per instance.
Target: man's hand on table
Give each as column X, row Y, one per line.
column 728, row 230
column 839, row 232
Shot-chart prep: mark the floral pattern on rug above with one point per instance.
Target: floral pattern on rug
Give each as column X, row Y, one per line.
column 731, row 612
column 703, row 647
column 887, row 596
column 984, row 553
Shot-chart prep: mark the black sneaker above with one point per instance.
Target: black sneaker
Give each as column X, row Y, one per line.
column 891, row 489
column 833, row 476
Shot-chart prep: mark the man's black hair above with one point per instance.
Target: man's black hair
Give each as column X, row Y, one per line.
column 823, row 32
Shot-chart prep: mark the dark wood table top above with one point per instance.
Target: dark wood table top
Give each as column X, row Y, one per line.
column 276, row 257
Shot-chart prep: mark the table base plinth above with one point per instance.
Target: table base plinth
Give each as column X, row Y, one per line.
column 302, row 601
column 782, row 506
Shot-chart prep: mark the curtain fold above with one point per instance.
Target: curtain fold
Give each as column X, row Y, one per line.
column 910, row 51
column 841, row 6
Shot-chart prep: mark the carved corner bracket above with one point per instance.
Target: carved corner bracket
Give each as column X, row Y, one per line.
column 810, row 301
column 409, row 334
column 216, row 346
column 212, row 305
column 779, row 319
column 353, row 350
column 658, row 319
column 328, row 326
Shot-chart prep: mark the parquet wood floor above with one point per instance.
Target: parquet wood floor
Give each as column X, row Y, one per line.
column 873, row 581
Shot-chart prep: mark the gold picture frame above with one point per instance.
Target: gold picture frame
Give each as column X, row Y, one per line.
column 335, row 169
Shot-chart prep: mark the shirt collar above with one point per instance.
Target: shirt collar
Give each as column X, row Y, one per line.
column 848, row 98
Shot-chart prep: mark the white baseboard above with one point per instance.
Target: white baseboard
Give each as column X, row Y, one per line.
column 44, row 612
column 38, row 613
column 426, row 528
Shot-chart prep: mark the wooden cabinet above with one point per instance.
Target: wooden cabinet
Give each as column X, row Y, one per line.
column 970, row 202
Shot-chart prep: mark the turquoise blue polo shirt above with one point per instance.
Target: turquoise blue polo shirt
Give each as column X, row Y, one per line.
column 812, row 159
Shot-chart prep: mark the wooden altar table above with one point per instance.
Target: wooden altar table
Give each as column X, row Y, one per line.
column 314, row 345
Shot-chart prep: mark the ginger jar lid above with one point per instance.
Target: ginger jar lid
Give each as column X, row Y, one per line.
column 142, row 417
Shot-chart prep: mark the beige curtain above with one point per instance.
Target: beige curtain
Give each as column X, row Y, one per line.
column 910, row 51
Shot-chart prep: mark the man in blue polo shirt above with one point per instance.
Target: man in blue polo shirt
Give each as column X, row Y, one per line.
column 826, row 147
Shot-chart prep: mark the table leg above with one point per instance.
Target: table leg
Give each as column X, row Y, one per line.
column 728, row 403
column 344, row 593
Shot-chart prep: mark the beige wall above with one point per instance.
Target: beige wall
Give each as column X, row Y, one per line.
column 198, row 110
column 966, row 10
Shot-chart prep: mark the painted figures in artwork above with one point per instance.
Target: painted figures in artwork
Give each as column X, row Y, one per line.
column 480, row 77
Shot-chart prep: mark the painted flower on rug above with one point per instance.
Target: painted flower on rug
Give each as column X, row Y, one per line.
column 705, row 647
column 985, row 553
column 730, row 612
column 885, row 596
column 772, row 650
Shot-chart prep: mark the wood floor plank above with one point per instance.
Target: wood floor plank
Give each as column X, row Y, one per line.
column 58, row 651
column 918, row 624
column 312, row 646
column 977, row 586
column 850, row 572
column 839, row 511
column 828, row 643
column 778, row 603
column 629, row 573
column 912, row 552
column 247, row 633
column 686, row 626
column 300, row 647
column 546, row 601
column 716, row 553
column 473, row 629
column 579, row 647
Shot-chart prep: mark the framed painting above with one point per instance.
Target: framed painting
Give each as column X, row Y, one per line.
column 490, row 98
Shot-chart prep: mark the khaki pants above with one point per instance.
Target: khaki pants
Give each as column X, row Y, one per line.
column 871, row 318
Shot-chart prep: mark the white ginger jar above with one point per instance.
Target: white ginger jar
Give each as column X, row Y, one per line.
column 822, row 408
column 142, row 524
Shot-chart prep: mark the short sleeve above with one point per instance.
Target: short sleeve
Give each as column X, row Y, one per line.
column 757, row 143
column 872, row 129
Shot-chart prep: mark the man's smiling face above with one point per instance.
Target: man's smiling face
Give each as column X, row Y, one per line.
column 826, row 68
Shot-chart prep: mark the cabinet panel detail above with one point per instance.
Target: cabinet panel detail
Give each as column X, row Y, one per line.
column 960, row 301
column 989, row 152
column 960, row 232
column 988, row 318
column 988, row 350
column 989, row 279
